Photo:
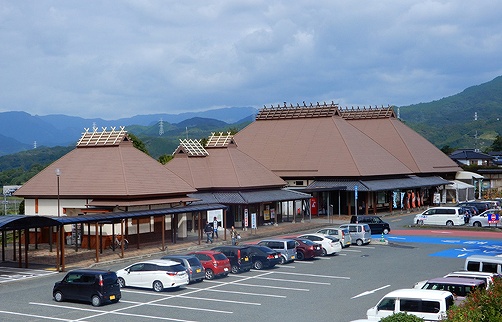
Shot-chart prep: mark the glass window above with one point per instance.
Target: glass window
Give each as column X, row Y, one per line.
column 490, row 267
column 387, row 304
column 410, row 305
column 473, row 266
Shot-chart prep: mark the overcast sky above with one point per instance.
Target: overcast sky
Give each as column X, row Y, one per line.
column 114, row 59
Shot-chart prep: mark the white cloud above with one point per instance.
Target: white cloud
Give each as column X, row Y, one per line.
column 116, row 59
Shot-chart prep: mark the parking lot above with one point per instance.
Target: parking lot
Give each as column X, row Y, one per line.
column 340, row 288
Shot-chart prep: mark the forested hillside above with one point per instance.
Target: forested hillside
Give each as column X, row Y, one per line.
column 451, row 120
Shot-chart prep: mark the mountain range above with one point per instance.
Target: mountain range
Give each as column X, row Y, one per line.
column 20, row 131
column 470, row 119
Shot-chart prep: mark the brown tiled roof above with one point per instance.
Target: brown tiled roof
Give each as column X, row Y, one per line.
column 116, row 171
column 334, row 146
column 223, row 168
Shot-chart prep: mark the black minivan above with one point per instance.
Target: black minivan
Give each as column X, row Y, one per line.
column 239, row 256
column 377, row 225
column 88, row 285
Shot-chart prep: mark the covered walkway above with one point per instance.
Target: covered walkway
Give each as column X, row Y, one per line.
column 20, row 227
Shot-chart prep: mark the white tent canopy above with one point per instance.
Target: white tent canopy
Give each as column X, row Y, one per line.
column 467, row 175
column 459, row 191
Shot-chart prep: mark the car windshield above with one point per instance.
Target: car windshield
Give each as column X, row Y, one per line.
column 193, row 261
column 172, row 268
column 308, row 242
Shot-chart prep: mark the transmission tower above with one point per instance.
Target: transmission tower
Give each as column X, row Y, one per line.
column 161, row 127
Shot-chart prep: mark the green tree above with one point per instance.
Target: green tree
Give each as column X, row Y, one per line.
column 138, row 144
column 447, row 149
column 497, row 144
column 165, row 158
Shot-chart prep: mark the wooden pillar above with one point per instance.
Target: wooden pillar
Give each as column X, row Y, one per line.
column 349, row 203
column 62, row 239
column 137, row 233
column 163, row 233
column 391, row 201
column 374, row 202
column 123, row 238
column 97, row 241
column 57, row 249
column 14, row 245
column 366, row 207
column 225, row 224
column 3, row 245
column 36, row 238
column 20, row 259
column 26, row 246
column 199, row 217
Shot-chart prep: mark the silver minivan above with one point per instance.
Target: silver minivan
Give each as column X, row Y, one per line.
column 341, row 233
column 483, row 263
column 359, row 233
column 287, row 248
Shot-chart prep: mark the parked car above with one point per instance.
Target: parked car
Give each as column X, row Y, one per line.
column 215, row 263
column 460, row 287
column 377, row 225
column 307, row 249
column 88, row 285
column 480, row 205
column 483, row 263
column 481, row 220
column 341, row 233
column 360, row 233
column 240, row 259
column 193, row 266
column 487, row 277
column 448, row 216
column 286, row 247
column 157, row 274
column 263, row 256
column 330, row 245
column 427, row 304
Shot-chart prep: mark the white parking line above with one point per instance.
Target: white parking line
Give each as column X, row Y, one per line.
column 314, row 275
column 242, row 293
column 269, row 286
column 108, row 312
column 35, row 316
column 217, row 300
column 181, row 307
column 292, row 281
column 352, row 250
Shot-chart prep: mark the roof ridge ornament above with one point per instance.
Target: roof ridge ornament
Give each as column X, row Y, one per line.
column 103, row 137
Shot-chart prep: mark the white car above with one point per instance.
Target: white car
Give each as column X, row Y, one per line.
column 448, row 216
column 340, row 233
column 330, row 244
column 481, row 220
column 156, row 274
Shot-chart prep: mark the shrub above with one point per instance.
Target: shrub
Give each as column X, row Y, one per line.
column 479, row 306
column 402, row 317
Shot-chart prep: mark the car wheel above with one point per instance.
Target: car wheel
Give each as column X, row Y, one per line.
column 209, row 274
column 157, row 286
column 122, row 283
column 283, row 260
column 359, row 242
column 324, row 252
column 258, row 265
column 420, row 222
column 234, row 269
column 477, row 224
column 385, row 231
column 96, row 300
column 300, row 256
column 449, row 223
column 58, row 296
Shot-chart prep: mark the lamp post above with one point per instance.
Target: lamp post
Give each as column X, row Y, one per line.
column 58, row 237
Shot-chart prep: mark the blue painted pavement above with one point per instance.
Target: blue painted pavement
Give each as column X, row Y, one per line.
column 460, row 247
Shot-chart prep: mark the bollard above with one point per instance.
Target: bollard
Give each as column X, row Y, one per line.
column 382, row 239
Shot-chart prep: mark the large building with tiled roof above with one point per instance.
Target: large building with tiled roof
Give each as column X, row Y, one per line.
column 106, row 173
column 332, row 152
column 222, row 173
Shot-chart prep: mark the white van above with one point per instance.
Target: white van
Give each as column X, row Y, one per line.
column 448, row 216
column 359, row 233
column 430, row 305
column 483, row 263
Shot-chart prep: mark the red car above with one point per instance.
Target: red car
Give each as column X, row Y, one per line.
column 307, row 249
column 215, row 263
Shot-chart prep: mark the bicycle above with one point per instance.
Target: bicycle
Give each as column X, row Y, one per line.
column 118, row 243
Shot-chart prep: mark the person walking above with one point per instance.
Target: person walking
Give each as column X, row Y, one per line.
column 215, row 228
column 233, row 235
column 208, row 229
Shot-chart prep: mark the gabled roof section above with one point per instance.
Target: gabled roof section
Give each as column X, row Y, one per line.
column 291, row 112
column 470, row 154
column 192, row 148
column 103, row 138
column 350, row 143
column 114, row 171
column 223, row 168
column 369, row 113
column 219, row 141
